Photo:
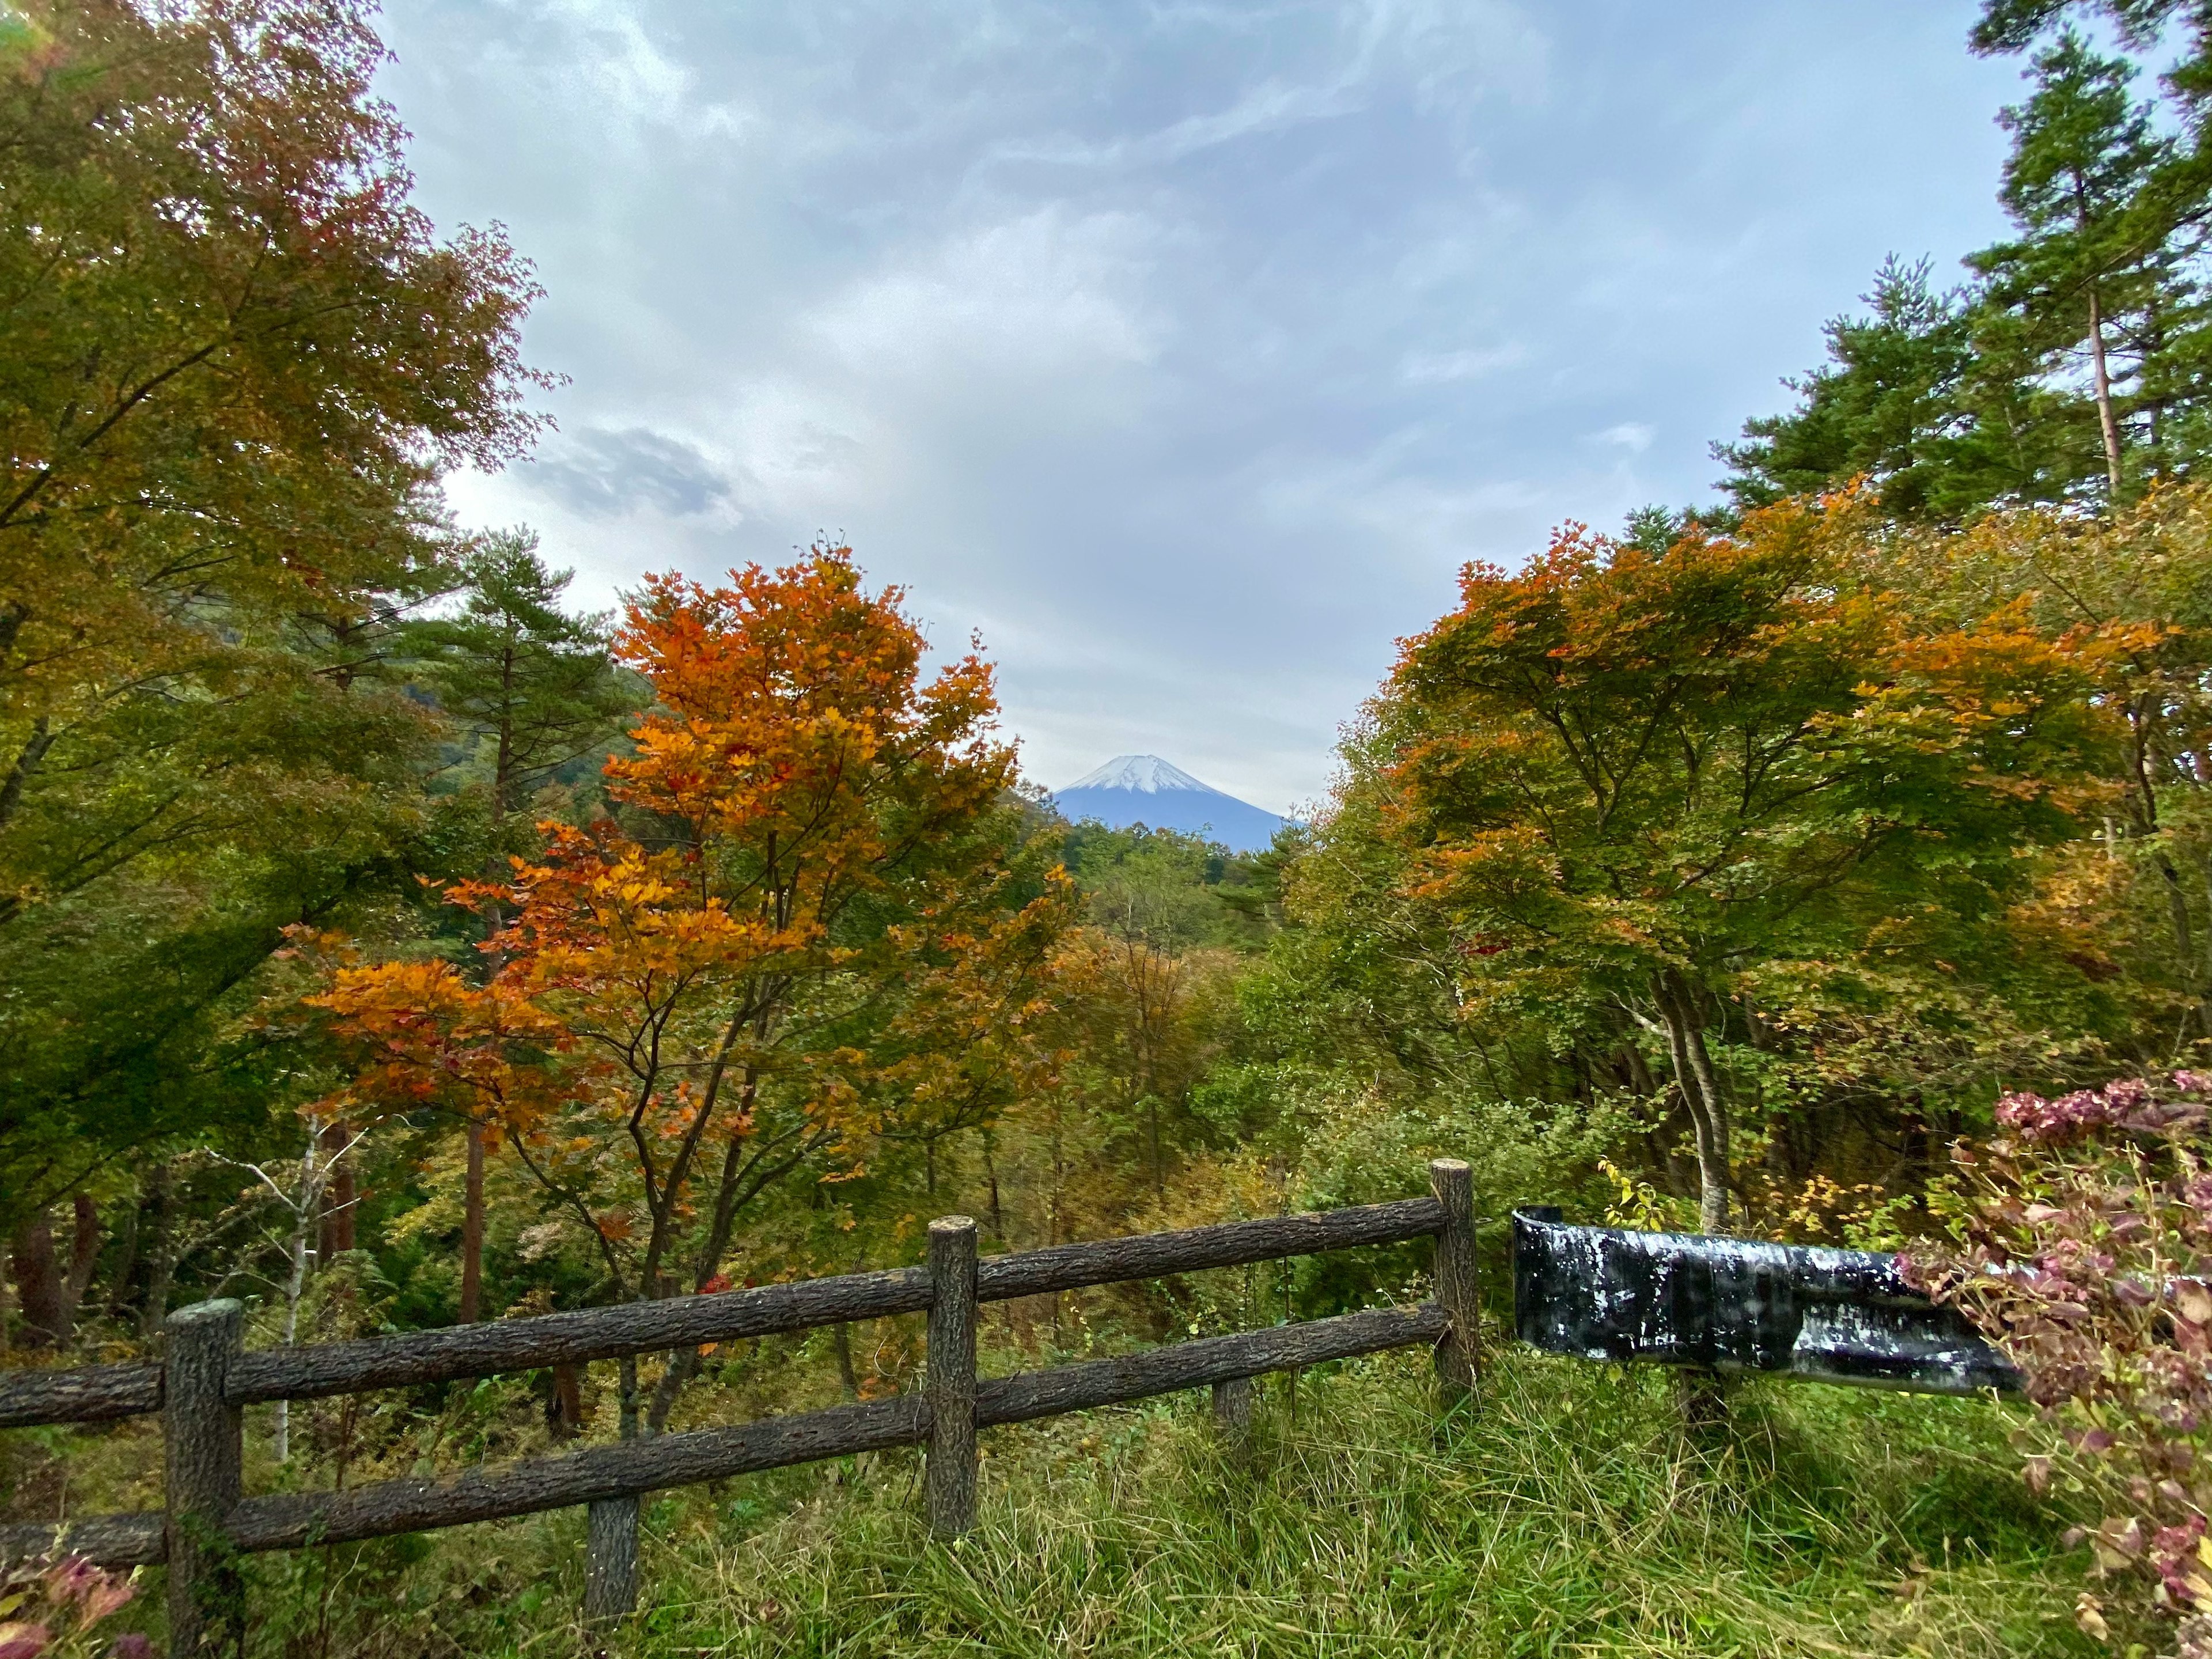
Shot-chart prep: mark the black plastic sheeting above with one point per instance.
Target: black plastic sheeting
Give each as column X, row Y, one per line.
column 1735, row 1304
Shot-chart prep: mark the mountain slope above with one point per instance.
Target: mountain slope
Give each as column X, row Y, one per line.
column 1132, row 789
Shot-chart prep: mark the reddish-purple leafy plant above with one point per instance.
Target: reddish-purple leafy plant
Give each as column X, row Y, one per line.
column 52, row 1610
column 2082, row 1245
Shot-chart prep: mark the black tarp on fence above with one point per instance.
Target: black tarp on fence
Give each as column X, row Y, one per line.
column 1734, row 1304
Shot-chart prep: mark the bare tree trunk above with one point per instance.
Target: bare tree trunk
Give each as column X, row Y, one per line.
column 1708, row 1116
column 2176, row 902
column 39, row 1284
column 1159, row 1173
column 841, row 1339
column 296, row 1276
column 2106, row 422
column 472, row 1230
column 991, row 1174
column 161, row 1264
column 626, row 1421
column 84, row 1254
column 564, row 1412
column 337, row 1231
column 126, row 1260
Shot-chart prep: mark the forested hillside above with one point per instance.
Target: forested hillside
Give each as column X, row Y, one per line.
column 389, row 942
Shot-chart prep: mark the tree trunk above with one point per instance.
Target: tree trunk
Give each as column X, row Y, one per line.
column 2105, row 421
column 2176, row 902
column 841, row 1339
column 295, row 1284
column 564, row 1412
column 126, row 1260
column 991, row 1174
column 338, row 1231
column 1159, row 1171
column 626, row 1416
column 39, row 1297
column 1708, row 1116
column 683, row 1366
column 161, row 1263
column 84, row 1254
column 472, row 1230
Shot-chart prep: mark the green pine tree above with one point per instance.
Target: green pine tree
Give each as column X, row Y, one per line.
column 1885, row 406
column 530, row 687
column 2084, row 298
column 530, row 690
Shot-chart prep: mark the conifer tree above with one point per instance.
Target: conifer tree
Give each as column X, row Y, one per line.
column 2100, row 259
column 531, row 689
column 1885, row 406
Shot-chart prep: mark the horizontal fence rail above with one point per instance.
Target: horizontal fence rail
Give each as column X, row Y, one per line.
column 95, row 1393
column 104, row 1393
column 1602, row 1293
column 1739, row 1305
column 206, row 1378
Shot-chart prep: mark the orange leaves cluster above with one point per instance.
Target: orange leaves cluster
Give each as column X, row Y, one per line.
column 423, row 1037
column 799, row 928
column 794, row 712
column 1646, row 757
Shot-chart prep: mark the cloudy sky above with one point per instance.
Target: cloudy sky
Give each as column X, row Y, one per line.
column 1183, row 351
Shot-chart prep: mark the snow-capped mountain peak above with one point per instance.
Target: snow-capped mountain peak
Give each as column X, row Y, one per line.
column 1144, row 789
column 1147, row 773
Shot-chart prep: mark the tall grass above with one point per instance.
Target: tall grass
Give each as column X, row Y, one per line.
column 1570, row 1514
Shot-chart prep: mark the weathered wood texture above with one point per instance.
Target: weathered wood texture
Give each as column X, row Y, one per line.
column 515, row 1344
column 102, row 1393
column 1095, row 1382
column 1231, row 1244
column 93, row 1394
column 208, row 1379
column 1459, row 1351
column 949, row 1469
column 280, row 1521
column 284, row 1521
column 610, row 1559
column 109, row 1541
column 203, row 1470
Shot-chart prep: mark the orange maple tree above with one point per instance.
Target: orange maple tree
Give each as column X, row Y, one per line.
column 1635, row 781
column 799, row 932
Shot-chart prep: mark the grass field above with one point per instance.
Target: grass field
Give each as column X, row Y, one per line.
column 1572, row 1515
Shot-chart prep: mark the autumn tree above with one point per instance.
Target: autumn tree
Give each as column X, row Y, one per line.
column 2140, row 576
column 238, row 359
column 798, row 935
column 1635, row 779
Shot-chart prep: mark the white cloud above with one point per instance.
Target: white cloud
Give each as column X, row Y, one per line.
column 1187, row 348
column 1475, row 363
column 1029, row 298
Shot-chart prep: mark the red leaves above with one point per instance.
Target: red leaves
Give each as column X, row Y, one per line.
column 2085, row 1239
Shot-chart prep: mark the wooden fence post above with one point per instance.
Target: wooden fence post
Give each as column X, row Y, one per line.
column 1459, row 1355
column 949, row 1470
column 610, row 1558
column 1232, row 1414
column 203, row 1443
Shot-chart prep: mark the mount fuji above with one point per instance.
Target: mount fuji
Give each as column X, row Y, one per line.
column 1132, row 789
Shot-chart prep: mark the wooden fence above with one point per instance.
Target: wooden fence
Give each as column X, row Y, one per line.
column 205, row 1377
